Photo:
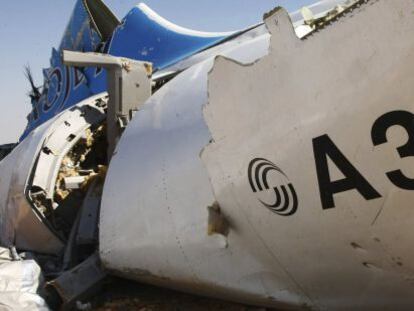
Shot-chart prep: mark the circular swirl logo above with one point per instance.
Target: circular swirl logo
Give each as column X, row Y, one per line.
column 265, row 179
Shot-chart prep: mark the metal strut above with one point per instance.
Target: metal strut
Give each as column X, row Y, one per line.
column 129, row 86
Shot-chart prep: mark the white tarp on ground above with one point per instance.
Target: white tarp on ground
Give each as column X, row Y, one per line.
column 19, row 282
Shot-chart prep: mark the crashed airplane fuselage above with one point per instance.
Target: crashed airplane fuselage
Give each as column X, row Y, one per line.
column 269, row 166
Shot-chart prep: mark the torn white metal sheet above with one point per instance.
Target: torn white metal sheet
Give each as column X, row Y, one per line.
column 154, row 213
column 19, row 283
column 311, row 147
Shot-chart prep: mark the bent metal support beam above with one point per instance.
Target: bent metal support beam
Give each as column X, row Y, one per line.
column 129, row 86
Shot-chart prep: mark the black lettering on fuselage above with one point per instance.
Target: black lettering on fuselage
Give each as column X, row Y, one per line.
column 404, row 119
column 323, row 148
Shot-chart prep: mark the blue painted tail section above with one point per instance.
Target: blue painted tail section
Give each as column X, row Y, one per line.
column 63, row 87
column 142, row 35
column 145, row 35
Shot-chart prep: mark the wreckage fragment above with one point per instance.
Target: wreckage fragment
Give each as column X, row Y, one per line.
column 72, row 163
column 259, row 154
column 20, row 281
column 335, row 94
column 33, row 176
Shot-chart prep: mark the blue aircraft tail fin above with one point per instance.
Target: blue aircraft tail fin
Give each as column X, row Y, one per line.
column 142, row 35
column 146, row 35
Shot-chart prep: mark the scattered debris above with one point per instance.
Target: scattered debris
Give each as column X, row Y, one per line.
column 79, row 282
column 74, row 182
column 19, row 283
column 319, row 21
column 119, row 294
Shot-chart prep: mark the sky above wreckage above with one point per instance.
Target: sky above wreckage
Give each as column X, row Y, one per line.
column 29, row 29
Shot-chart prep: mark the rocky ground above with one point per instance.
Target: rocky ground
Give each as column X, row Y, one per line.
column 124, row 295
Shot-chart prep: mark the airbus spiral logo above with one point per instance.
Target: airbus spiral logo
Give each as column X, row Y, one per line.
column 286, row 200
